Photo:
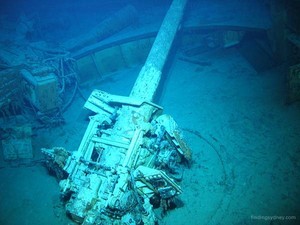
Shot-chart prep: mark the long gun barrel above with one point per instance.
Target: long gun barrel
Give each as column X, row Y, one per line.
column 131, row 155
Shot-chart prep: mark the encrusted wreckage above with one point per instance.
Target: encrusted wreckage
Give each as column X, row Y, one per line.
column 131, row 155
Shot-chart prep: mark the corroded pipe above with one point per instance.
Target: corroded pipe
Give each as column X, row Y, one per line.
column 149, row 77
column 117, row 22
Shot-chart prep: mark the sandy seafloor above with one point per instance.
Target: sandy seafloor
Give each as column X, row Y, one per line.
column 245, row 143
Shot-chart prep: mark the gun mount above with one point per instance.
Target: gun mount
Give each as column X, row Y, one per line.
column 131, row 154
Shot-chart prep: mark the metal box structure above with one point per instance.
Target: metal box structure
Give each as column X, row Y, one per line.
column 41, row 91
column 18, row 145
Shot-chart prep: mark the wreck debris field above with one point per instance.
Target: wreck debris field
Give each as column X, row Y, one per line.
column 223, row 83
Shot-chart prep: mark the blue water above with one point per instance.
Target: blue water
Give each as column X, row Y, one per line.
column 230, row 103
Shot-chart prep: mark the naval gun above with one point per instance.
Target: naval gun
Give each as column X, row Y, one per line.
column 131, row 156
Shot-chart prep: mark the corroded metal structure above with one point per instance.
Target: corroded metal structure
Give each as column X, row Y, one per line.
column 132, row 155
column 121, row 19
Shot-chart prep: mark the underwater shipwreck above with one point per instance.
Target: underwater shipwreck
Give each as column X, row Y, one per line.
column 128, row 165
column 120, row 168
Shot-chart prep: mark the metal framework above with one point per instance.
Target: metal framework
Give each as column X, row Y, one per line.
column 131, row 155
